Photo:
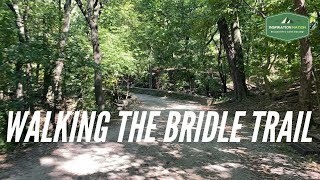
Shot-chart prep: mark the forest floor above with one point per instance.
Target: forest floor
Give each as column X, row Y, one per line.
column 158, row 160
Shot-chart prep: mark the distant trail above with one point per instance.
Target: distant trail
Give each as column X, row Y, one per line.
column 112, row 160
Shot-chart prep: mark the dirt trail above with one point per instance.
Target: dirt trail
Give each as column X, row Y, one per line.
column 112, row 160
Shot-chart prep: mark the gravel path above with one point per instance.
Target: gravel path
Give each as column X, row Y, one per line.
column 158, row 160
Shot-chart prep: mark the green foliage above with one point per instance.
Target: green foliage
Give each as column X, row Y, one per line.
column 3, row 145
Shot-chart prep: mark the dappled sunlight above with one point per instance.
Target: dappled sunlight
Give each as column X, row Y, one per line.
column 223, row 170
column 86, row 159
column 284, row 171
column 273, row 157
column 160, row 160
column 269, row 163
column 174, row 150
column 6, row 165
column 113, row 160
column 236, row 151
column 154, row 108
column 164, row 103
column 187, row 106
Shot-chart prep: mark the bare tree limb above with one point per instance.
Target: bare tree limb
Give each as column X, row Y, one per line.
column 13, row 6
column 83, row 10
column 10, row 7
column 317, row 11
column 24, row 18
column 274, row 60
column 211, row 38
column 256, row 10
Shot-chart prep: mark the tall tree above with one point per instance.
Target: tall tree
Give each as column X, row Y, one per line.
column 233, row 48
column 91, row 14
column 239, row 58
column 62, row 43
column 306, row 63
column 23, row 38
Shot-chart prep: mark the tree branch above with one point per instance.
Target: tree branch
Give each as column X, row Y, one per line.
column 211, row 38
column 24, row 18
column 95, row 3
column 83, row 10
column 318, row 12
column 274, row 60
column 10, row 7
column 256, row 10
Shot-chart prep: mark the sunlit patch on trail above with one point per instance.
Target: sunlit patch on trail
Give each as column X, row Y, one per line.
column 83, row 159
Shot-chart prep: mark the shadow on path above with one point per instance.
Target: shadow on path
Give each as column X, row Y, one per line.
column 158, row 160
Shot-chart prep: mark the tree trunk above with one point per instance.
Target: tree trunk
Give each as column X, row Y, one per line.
column 99, row 95
column 91, row 14
column 37, row 74
column 47, row 88
column 150, row 76
column 305, row 99
column 19, row 85
column 290, row 57
column 233, row 49
column 60, row 62
column 239, row 59
column 222, row 74
column 93, row 23
column 29, row 83
column 266, row 72
column 29, row 92
column 22, row 39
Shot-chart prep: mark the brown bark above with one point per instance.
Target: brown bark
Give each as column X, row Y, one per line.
column 266, row 73
column 91, row 14
column 99, row 95
column 29, row 87
column 60, row 62
column 150, row 77
column 222, row 74
column 21, row 18
column 14, row 7
column 22, row 39
column 239, row 58
column 29, row 83
column 47, row 88
column 233, row 49
column 305, row 99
